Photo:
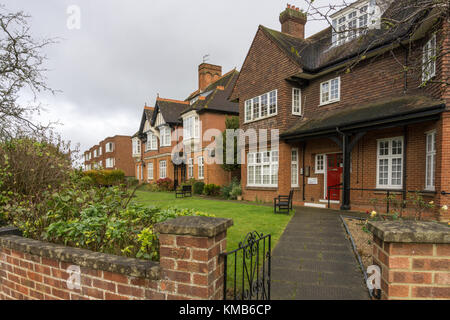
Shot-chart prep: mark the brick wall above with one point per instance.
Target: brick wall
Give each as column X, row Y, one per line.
column 190, row 267
column 413, row 267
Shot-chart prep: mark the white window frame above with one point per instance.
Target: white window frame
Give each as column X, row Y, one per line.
column 354, row 21
column 430, row 162
column 319, row 164
column 162, row 169
column 152, row 142
column 271, row 108
column 138, row 168
column 109, row 163
column 330, row 100
column 109, row 147
column 265, row 163
column 201, row 168
column 390, row 157
column 294, row 167
column 429, row 59
column 165, row 136
column 150, row 171
column 100, row 151
column 191, row 168
column 191, row 127
column 296, row 101
column 136, row 146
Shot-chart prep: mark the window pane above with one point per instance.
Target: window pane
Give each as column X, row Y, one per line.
column 334, row 89
column 396, row 172
column 256, row 108
column 325, row 92
column 383, row 168
column 258, row 174
column 273, row 102
column 396, row 147
column 274, row 174
column 264, row 105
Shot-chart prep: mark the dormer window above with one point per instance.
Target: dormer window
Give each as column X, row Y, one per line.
column 354, row 20
column 136, row 146
column 191, row 127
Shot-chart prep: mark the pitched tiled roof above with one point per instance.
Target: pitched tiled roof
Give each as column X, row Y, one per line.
column 146, row 115
column 217, row 96
column 170, row 110
column 315, row 53
column 375, row 112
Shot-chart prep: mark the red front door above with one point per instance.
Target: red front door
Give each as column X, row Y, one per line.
column 334, row 173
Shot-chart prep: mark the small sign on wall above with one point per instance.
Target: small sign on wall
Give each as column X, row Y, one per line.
column 313, row 181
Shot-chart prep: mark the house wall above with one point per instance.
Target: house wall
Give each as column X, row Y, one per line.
column 266, row 68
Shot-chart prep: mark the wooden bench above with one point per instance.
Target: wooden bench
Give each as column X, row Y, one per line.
column 185, row 191
column 283, row 203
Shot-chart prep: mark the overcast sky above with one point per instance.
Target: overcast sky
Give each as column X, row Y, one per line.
column 126, row 52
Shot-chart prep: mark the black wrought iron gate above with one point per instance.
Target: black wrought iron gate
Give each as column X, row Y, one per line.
column 247, row 269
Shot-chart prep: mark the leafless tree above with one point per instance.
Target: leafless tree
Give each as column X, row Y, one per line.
column 21, row 69
column 402, row 17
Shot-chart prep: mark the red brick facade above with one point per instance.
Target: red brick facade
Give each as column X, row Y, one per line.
column 268, row 67
column 121, row 155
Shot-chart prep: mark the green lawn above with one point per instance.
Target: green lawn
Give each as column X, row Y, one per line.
column 246, row 217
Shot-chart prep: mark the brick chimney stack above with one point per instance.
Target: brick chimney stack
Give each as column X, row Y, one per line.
column 207, row 74
column 293, row 22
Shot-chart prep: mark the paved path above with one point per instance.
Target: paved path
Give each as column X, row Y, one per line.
column 314, row 259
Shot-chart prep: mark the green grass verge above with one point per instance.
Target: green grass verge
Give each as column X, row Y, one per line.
column 247, row 217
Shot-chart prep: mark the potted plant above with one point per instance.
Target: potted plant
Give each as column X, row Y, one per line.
column 236, row 192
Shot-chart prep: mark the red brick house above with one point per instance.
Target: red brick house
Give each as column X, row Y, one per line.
column 170, row 142
column 111, row 153
column 346, row 119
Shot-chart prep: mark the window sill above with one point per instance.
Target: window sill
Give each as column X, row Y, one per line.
column 259, row 119
column 329, row 102
column 270, row 188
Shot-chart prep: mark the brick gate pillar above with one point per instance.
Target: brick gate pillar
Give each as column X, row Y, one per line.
column 190, row 249
column 414, row 258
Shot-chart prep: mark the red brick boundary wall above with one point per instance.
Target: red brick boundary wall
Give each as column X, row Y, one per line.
column 190, row 266
column 414, row 258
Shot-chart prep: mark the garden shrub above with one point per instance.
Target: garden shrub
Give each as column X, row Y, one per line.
column 198, row 187
column 165, row 184
column 232, row 190
column 131, row 182
column 106, row 178
column 211, row 189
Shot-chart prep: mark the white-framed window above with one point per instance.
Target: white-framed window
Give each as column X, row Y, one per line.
column 162, row 169
column 262, row 169
column 110, row 147
column 191, row 127
column 354, row 22
column 152, row 142
column 100, row 151
column 320, row 163
column 190, row 168
column 201, row 168
column 109, row 162
column 136, row 146
column 138, row 171
column 390, row 163
column 95, row 153
column 296, row 101
column 165, row 137
column 330, row 91
column 430, row 161
column 261, row 107
column 429, row 59
column 294, row 167
column 150, row 171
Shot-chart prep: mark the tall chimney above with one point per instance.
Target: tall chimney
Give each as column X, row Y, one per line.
column 207, row 74
column 293, row 22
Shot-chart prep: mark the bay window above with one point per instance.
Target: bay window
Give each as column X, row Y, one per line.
column 152, row 142
column 390, row 163
column 136, row 146
column 165, row 136
column 191, row 128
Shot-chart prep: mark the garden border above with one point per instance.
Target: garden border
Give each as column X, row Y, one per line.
column 355, row 250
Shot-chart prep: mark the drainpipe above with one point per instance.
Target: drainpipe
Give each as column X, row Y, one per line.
column 346, row 174
column 303, row 175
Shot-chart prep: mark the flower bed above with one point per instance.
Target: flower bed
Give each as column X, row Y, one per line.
column 362, row 239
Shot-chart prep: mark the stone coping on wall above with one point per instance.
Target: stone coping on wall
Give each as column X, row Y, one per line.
column 408, row 231
column 81, row 257
column 194, row 226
